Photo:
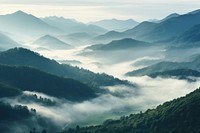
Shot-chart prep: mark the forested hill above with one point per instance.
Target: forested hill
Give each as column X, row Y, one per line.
column 177, row 116
column 25, row 57
column 29, row 79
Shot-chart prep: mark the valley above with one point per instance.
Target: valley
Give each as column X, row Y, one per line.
column 110, row 76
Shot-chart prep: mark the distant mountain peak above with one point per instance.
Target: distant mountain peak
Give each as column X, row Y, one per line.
column 173, row 15
column 47, row 36
column 19, row 12
column 126, row 43
column 116, row 24
column 19, row 51
column 48, row 41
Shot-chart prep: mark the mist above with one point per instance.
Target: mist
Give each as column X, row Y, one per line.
column 120, row 100
column 117, row 101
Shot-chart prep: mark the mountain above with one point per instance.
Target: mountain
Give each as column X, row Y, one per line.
column 25, row 57
column 167, row 17
column 178, row 73
column 167, row 66
column 126, row 43
column 29, row 79
column 51, row 42
column 159, row 67
column 7, row 43
column 25, row 25
column 8, row 91
column 173, row 15
column 169, row 28
column 76, row 38
column 138, row 31
column 117, row 25
column 180, row 115
column 82, row 36
column 172, row 27
column 191, row 36
column 73, row 26
column 108, row 37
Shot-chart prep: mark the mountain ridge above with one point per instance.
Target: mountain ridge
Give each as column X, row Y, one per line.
column 51, row 42
column 25, row 57
column 25, row 24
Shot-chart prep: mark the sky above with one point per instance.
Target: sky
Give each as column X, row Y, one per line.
column 93, row 10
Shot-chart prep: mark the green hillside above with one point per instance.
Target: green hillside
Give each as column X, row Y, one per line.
column 177, row 116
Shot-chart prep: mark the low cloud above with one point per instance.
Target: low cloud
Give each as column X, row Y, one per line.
column 120, row 100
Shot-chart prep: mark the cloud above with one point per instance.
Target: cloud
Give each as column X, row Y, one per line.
column 118, row 101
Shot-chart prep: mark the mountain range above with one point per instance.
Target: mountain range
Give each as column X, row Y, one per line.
column 72, row 26
column 25, row 57
column 189, row 37
column 123, row 44
column 118, row 43
column 30, row 79
column 51, row 42
column 116, row 25
column 190, row 68
column 25, row 25
column 167, row 29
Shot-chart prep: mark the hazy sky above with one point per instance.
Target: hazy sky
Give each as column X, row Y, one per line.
column 92, row 10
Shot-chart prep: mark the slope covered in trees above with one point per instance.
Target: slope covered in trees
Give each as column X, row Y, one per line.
column 168, row 66
column 25, row 57
column 29, row 79
column 181, row 73
column 11, row 114
column 126, row 43
column 177, row 116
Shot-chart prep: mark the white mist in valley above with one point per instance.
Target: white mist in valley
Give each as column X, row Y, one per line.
column 104, row 62
column 120, row 100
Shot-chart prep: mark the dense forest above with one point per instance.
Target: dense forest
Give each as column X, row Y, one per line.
column 177, row 116
column 30, row 79
column 9, row 114
column 25, row 57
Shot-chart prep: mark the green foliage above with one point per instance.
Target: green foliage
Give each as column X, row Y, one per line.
column 126, row 43
column 177, row 116
column 181, row 73
column 172, row 68
column 24, row 57
column 36, row 99
column 29, row 79
column 9, row 113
